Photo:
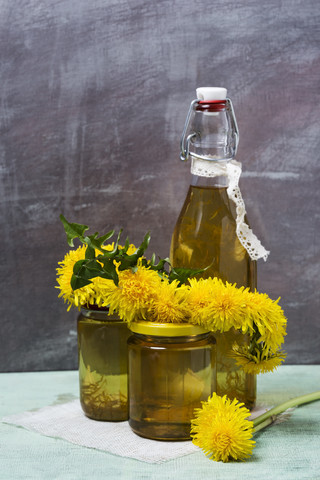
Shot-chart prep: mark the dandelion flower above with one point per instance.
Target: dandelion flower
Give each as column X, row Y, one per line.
column 260, row 362
column 227, row 308
column 91, row 294
column 221, row 429
column 199, row 297
column 268, row 317
column 79, row 297
column 134, row 295
column 169, row 304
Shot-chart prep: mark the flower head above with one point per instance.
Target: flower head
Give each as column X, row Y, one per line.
column 259, row 362
column 134, row 295
column 217, row 306
column 79, row 297
column 267, row 315
column 169, row 304
column 91, row 294
column 221, row 429
column 199, row 297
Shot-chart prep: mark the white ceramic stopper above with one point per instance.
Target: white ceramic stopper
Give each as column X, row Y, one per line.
column 211, row 93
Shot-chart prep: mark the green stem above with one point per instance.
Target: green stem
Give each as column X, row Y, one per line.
column 255, row 345
column 267, row 422
column 268, row 417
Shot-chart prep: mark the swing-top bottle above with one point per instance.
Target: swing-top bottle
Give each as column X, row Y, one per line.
column 206, row 229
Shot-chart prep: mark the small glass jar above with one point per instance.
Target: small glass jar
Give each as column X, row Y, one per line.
column 172, row 368
column 103, row 371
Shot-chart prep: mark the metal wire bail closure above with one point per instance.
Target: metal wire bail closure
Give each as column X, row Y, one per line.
column 185, row 140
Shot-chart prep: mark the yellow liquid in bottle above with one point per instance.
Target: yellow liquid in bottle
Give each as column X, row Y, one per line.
column 205, row 234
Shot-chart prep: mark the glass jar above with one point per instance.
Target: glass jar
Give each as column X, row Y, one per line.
column 172, row 368
column 102, row 348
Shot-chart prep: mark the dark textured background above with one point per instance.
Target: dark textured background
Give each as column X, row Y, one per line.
column 94, row 96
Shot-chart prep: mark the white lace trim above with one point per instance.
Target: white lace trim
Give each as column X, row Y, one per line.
column 232, row 170
column 207, row 168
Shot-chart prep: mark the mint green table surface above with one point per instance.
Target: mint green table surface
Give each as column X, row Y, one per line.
column 289, row 450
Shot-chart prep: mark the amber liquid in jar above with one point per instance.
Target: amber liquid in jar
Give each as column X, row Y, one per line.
column 168, row 379
column 102, row 348
column 205, row 234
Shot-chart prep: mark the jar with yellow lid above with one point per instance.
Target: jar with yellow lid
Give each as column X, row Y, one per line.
column 172, row 368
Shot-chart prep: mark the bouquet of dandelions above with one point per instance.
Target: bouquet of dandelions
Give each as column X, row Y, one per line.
column 121, row 279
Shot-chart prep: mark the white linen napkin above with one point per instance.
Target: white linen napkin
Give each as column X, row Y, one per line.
column 67, row 421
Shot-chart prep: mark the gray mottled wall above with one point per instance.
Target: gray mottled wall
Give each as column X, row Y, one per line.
column 94, row 96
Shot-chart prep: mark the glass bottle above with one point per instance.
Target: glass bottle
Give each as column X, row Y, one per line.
column 172, row 368
column 205, row 232
column 102, row 349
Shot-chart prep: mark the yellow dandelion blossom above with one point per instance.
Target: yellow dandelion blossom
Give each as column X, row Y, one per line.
column 221, row 429
column 169, row 304
column 260, row 362
column 79, row 297
column 199, row 297
column 91, row 294
column 227, row 308
column 269, row 318
column 134, row 295
column 100, row 286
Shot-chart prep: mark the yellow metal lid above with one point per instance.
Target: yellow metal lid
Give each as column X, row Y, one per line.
column 166, row 329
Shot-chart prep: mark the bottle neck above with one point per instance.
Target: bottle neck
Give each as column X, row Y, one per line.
column 209, row 173
column 209, row 182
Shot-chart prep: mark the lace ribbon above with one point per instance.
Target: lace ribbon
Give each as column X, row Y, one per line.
column 232, row 170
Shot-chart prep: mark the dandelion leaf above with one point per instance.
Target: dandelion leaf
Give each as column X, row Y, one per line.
column 73, row 230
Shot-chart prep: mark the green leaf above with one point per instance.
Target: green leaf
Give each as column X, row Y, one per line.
column 183, row 274
column 106, row 236
column 126, row 245
column 73, row 230
column 109, row 270
column 90, row 252
column 144, row 245
column 87, row 268
column 83, row 271
column 97, row 242
column 127, row 261
column 161, row 264
column 78, row 282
